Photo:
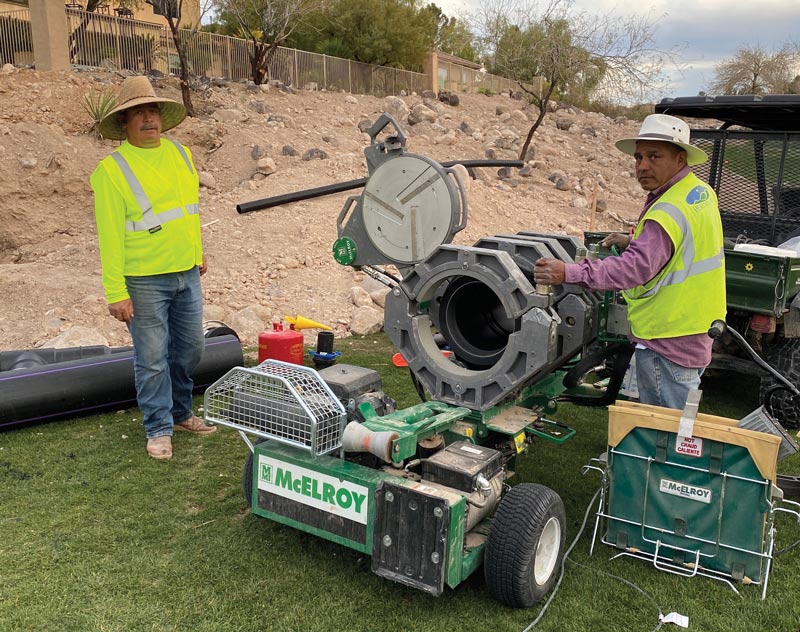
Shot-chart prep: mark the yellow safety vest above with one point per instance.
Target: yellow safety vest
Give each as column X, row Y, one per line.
column 147, row 213
column 688, row 294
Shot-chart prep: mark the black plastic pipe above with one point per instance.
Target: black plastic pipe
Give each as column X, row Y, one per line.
column 339, row 187
column 31, row 358
column 103, row 381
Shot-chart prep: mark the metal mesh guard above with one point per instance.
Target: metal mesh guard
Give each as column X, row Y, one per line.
column 281, row 401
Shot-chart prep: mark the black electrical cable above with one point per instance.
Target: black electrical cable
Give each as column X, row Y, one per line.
column 792, row 546
column 563, row 560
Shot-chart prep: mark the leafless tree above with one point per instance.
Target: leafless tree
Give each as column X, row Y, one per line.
column 172, row 11
column 554, row 52
column 267, row 24
column 753, row 70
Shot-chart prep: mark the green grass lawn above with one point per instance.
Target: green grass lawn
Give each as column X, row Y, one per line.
column 97, row 536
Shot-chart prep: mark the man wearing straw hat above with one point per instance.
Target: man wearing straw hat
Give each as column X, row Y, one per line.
column 672, row 270
column 148, row 226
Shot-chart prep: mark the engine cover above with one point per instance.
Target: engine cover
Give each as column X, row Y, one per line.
column 459, row 465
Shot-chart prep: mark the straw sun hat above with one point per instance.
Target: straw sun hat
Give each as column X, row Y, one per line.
column 138, row 91
column 665, row 128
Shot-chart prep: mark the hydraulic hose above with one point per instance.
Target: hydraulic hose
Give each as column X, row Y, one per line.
column 719, row 327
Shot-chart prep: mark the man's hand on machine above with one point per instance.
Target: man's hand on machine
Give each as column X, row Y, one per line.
column 620, row 240
column 549, row 271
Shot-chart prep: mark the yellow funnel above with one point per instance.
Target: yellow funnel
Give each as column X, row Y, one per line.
column 301, row 322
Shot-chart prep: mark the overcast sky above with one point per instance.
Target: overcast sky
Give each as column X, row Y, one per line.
column 707, row 31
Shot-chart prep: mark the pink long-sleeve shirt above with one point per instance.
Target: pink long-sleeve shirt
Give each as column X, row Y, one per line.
column 640, row 262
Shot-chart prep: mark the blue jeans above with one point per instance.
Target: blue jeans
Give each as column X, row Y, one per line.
column 661, row 382
column 167, row 332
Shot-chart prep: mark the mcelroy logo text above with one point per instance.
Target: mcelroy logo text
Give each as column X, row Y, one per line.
column 312, row 488
column 683, row 490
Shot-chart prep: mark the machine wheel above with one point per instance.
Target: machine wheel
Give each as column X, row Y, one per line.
column 525, row 545
column 785, row 407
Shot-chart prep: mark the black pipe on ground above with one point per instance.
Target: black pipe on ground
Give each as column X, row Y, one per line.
column 339, row 187
column 31, row 358
column 87, row 385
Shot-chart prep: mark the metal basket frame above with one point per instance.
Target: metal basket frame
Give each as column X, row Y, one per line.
column 663, row 561
column 276, row 400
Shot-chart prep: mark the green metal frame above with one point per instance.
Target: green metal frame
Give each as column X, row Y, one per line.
column 761, row 284
column 461, row 561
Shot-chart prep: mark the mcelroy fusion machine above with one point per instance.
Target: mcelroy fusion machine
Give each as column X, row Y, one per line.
column 423, row 490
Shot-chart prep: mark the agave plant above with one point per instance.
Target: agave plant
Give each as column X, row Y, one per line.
column 97, row 104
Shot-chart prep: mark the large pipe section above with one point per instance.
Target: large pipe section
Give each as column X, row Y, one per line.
column 93, row 380
column 504, row 331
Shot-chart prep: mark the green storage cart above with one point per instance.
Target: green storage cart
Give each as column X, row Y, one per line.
column 702, row 504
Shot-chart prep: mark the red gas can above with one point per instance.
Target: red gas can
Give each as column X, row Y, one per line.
column 280, row 344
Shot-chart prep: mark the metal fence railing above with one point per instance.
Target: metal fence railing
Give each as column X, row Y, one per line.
column 96, row 39
column 457, row 78
column 16, row 40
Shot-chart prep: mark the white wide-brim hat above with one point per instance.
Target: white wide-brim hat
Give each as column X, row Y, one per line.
column 135, row 91
column 666, row 128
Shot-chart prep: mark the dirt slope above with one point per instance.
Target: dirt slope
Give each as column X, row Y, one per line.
column 274, row 263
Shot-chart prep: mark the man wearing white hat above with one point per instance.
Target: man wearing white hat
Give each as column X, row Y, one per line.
column 148, row 227
column 672, row 270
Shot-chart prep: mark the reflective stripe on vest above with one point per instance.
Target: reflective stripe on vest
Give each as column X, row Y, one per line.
column 690, row 266
column 151, row 221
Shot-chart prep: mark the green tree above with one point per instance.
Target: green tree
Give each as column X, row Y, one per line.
column 452, row 35
column 394, row 33
column 753, row 70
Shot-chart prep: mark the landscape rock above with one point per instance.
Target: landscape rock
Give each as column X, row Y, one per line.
column 360, row 297
column 314, row 154
column 421, row 113
column 394, row 106
column 366, row 320
column 207, row 180
column 267, row 166
column 77, row 336
column 247, row 323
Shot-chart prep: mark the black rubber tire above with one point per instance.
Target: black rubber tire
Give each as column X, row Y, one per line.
column 509, row 565
column 785, row 407
column 790, row 485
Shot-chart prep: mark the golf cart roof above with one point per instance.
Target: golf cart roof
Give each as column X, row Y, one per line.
column 780, row 112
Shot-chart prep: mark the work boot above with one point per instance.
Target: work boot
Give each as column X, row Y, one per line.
column 195, row 425
column 160, row 448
